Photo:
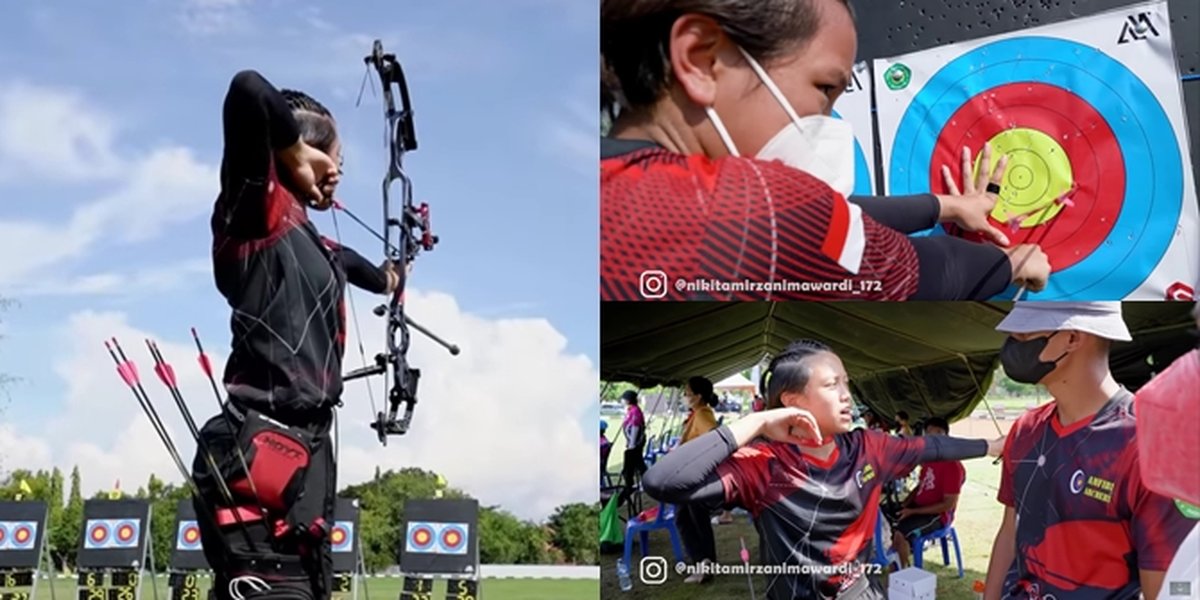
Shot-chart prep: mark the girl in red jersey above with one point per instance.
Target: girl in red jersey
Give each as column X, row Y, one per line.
column 814, row 502
column 725, row 178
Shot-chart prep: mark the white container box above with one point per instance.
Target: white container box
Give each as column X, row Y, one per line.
column 912, row 584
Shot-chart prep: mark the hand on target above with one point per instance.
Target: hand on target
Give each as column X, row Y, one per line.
column 790, row 425
column 969, row 209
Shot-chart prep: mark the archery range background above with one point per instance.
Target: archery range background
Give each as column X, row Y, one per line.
column 889, row 29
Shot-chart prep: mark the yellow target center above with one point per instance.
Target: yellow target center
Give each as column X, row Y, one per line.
column 22, row 535
column 452, row 539
column 1038, row 172
column 421, row 537
column 338, row 536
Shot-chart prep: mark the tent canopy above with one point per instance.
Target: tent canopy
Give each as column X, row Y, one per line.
column 737, row 381
column 927, row 358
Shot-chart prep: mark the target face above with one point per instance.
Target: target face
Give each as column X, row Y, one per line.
column 420, row 537
column 454, row 539
column 1095, row 172
column 437, row 538
column 341, row 538
column 18, row 535
column 102, row 534
column 188, row 536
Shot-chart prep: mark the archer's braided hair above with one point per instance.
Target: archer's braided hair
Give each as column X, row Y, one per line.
column 789, row 371
column 315, row 121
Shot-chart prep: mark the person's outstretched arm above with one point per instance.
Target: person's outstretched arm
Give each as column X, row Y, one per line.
column 899, row 455
column 360, row 272
column 257, row 124
column 715, row 469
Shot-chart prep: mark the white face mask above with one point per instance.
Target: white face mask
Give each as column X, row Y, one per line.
column 818, row 145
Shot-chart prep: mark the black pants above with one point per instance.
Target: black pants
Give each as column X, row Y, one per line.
column 305, row 562
column 634, row 467
column 695, row 527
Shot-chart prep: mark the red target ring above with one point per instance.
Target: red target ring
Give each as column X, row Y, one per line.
column 125, row 533
column 22, row 534
column 191, row 535
column 1078, row 129
column 3, row 534
column 422, row 537
column 451, row 538
column 338, row 536
column 99, row 534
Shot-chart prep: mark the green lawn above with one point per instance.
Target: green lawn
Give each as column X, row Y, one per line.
column 388, row 588
column 975, row 522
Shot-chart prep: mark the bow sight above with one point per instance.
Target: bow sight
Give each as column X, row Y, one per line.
column 414, row 234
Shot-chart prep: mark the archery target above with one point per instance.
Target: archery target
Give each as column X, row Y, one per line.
column 1094, row 131
column 18, row 535
column 188, row 536
column 107, row 534
column 426, row 537
column 341, row 538
column 454, row 539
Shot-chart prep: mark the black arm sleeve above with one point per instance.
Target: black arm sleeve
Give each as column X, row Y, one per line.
column 688, row 474
column 361, row 273
column 906, row 214
column 257, row 122
column 940, row 447
column 956, row 269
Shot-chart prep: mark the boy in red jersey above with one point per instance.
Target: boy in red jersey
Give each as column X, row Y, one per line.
column 1078, row 522
column 931, row 505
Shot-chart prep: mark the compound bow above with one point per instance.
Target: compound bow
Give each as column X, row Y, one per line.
column 413, row 234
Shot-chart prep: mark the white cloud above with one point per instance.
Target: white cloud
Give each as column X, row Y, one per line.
column 134, row 283
column 573, row 136
column 54, row 132
column 501, row 420
column 215, row 17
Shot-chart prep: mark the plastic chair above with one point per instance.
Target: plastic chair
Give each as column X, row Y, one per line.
column 664, row 519
column 944, row 534
column 884, row 556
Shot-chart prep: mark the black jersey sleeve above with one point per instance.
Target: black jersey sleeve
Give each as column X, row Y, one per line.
column 956, row 269
column 688, row 473
column 257, row 123
column 906, row 214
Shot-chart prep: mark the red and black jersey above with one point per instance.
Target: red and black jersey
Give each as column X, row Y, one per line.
column 821, row 514
column 740, row 221
column 283, row 281
column 1085, row 522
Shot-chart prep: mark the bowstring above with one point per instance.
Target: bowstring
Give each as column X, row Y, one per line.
column 362, row 353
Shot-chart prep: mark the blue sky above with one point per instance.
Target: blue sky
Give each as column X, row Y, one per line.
column 109, row 145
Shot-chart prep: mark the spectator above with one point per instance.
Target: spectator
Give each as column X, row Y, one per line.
column 931, row 505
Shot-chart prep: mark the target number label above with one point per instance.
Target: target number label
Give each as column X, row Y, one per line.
column 416, row 589
column 461, row 589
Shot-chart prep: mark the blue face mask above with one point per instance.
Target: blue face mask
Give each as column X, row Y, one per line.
column 1022, row 360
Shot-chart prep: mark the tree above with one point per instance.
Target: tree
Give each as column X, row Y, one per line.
column 65, row 535
column 504, row 539
column 573, row 529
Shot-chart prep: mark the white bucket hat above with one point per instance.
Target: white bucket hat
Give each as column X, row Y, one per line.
column 1102, row 319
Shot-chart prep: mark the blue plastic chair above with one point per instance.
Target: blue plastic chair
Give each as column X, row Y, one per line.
column 885, row 556
column 944, row 534
column 665, row 519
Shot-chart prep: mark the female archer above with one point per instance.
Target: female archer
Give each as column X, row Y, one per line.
column 284, row 283
column 812, row 484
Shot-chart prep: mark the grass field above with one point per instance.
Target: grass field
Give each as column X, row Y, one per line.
column 388, row 588
column 976, row 520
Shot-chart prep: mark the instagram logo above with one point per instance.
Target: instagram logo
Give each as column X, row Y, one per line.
column 653, row 284
column 653, row 570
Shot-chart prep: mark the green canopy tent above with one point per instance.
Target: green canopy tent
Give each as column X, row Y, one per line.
column 927, row 358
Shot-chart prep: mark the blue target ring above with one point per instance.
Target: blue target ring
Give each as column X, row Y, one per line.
column 426, row 531
column 862, row 173
column 453, row 539
column 4, row 535
column 125, row 534
column 1150, row 207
